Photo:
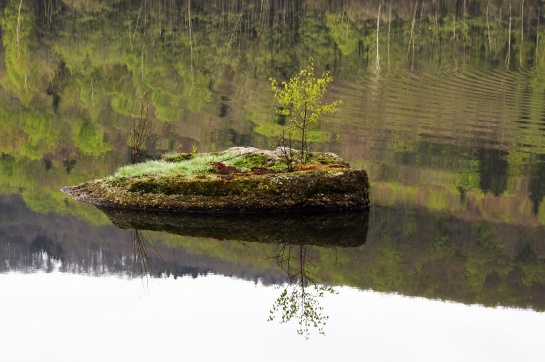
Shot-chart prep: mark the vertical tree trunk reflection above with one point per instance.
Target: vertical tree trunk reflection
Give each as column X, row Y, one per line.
column 142, row 258
column 300, row 298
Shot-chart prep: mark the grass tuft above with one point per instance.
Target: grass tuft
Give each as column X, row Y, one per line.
column 199, row 164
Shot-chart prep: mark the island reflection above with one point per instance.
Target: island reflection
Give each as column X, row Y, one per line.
column 342, row 229
column 407, row 253
column 304, row 289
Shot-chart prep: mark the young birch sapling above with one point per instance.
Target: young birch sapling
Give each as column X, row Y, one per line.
column 301, row 102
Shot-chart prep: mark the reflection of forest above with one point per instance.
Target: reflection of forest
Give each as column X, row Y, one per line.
column 74, row 72
column 31, row 241
column 414, row 252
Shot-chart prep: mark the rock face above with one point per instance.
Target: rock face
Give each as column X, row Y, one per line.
column 324, row 183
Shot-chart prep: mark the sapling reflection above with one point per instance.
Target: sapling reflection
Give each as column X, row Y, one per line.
column 301, row 297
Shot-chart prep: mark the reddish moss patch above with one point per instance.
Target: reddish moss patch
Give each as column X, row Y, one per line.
column 222, row 169
column 262, row 171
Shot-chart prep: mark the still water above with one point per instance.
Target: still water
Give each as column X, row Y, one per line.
column 72, row 317
column 443, row 105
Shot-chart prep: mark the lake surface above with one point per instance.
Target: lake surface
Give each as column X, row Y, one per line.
column 443, row 105
column 87, row 319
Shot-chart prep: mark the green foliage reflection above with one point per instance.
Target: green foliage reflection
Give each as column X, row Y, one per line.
column 300, row 299
column 17, row 30
column 75, row 70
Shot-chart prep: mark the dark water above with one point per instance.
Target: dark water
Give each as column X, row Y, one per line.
column 443, row 105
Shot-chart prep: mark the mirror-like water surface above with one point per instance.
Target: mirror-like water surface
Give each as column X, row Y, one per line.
column 443, row 105
column 204, row 319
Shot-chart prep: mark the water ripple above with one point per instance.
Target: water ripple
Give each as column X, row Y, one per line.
column 492, row 108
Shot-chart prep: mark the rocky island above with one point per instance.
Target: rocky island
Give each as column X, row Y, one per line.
column 240, row 180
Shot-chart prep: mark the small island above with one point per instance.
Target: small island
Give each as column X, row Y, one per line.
column 237, row 180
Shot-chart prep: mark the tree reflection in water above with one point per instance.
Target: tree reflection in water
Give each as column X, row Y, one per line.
column 294, row 243
column 300, row 298
column 141, row 257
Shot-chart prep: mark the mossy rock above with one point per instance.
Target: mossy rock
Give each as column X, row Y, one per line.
column 249, row 180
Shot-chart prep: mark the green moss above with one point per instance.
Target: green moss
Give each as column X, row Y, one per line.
column 327, row 159
column 250, row 161
column 204, row 187
column 279, row 167
column 143, row 186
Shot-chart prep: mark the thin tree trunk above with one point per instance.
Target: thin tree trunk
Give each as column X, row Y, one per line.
column 411, row 40
column 377, row 65
column 508, row 56
column 537, row 34
column 190, row 42
column 18, row 27
column 389, row 29
column 521, row 32
column 488, row 27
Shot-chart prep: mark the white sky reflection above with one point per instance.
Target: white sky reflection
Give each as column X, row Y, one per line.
column 65, row 317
